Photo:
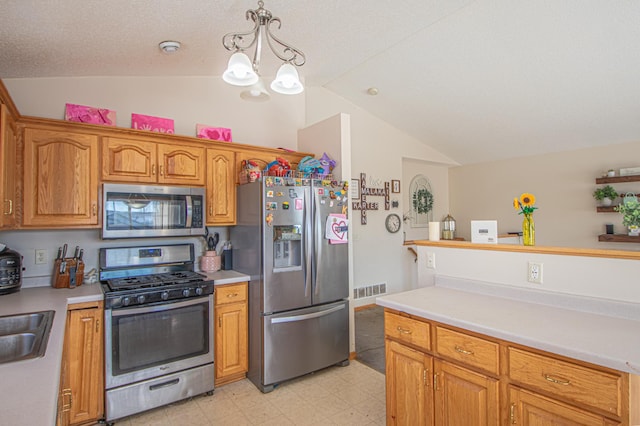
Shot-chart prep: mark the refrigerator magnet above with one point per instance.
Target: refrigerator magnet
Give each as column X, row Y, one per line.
column 285, row 205
column 292, row 193
column 320, row 191
column 279, row 194
column 268, row 181
column 298, row 203
column 272, row 206
column 269, row 219
column 269, row 194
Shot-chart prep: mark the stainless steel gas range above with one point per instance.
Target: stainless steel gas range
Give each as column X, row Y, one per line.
column 158, row 327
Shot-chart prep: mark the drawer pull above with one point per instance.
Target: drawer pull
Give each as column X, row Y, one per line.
column 232, row 295
column 404, row 330
column 463, row 351
column 557, row 381
column 512, row 414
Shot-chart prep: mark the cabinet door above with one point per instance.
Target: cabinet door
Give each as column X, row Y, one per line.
column 8, row 159
column 221, row 187
column 529, row 409
column 231, row 351
column 408, row 385
column 463, row 397
column 127, row 160
column 60, row 178
column 181, row 164
column 85, row 364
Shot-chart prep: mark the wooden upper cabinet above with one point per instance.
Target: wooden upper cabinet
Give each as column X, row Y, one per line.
column 144, row 161
column 221, row 188
column 126, row 160
column 8, row 159
column 60, row 178
column 181, row 164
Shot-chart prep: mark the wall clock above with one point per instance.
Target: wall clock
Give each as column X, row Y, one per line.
column 392, row 223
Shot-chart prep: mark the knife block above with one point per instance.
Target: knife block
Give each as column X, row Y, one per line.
column 62, row 280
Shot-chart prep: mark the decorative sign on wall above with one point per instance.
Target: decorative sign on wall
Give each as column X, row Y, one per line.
column 363, row 205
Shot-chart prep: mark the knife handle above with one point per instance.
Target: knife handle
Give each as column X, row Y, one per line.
column 64, row 250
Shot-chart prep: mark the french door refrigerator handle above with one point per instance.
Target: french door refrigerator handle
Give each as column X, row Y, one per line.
column 308, row 226
column 303, row 317
column 317, row 241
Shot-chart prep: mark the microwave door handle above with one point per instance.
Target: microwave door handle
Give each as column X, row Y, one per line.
column 189, row 201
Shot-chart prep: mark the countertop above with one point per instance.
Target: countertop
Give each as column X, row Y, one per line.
column 29, row 388
column 577, row 327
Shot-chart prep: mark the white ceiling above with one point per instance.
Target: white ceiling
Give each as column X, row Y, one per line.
column 477, row 80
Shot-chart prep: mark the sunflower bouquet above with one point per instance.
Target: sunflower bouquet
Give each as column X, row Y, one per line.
column 525, row 203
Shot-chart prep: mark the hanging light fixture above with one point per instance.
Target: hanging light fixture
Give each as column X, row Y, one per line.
column 242, row 71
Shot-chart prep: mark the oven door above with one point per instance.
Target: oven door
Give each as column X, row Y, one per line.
column 151, row 341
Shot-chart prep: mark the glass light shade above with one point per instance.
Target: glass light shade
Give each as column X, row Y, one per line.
column 287, row 81
column 240, row 71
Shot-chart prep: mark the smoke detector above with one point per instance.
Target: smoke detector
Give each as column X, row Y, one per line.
column 169, row 46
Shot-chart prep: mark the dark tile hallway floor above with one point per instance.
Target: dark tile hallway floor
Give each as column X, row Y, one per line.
column 370, row 337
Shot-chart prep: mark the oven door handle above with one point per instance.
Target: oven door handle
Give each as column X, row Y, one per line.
column 164, row 384
column 159, row 308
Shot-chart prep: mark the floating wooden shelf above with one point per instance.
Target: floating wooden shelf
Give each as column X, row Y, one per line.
column 606, row 209
column 618, row 179
column 618, row 238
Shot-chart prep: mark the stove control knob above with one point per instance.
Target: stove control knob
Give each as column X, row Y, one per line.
column 141, row 299
column 164, row 295
column 185, row 292
column 126, row 301
column 199, row 291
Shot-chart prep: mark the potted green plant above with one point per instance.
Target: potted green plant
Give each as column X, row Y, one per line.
column 630, row 210
column 605, row 195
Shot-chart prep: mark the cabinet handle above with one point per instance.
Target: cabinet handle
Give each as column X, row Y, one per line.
column 210, row 210
column 66, row 396
column 435, row 382
column 10, row 206
column 463, row 351
column 232, row 295
column 557, row 381
column 161, row 171
column 94, row 209
column 97, row 325
column 220, row 321
column 404, row 330
column 512, row 414
column 153, row 169
column 424, row 377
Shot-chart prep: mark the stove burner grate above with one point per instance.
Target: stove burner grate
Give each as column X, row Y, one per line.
column 155, row 280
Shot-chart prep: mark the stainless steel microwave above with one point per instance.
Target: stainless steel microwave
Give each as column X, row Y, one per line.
column 139, row 211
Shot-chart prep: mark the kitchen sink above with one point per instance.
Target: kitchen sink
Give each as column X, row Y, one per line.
column 24, row 336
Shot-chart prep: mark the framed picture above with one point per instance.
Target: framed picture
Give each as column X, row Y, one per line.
column 395, row 186
column 354, row 189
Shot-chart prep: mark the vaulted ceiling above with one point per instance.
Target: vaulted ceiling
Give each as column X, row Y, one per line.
column 477, row 80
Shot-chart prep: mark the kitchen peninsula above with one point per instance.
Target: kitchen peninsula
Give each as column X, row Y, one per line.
column 502, row 352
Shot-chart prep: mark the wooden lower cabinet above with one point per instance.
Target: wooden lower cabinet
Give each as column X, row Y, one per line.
column 464, row 397
column 231, row 333
column 81, row 399
column 529, row 409
column 409, row 391
column 459, row 377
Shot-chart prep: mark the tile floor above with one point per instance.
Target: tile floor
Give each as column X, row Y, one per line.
column 352, row 395
column 370, row 337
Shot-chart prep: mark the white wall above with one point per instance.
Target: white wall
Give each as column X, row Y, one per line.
column 187, row 100
column 563, row 184
column 377, row 149
column 615, row 279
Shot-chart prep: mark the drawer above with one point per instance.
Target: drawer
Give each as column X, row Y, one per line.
column 407, row 330
column 567, row 380
column 470, row 350
column 231, row 293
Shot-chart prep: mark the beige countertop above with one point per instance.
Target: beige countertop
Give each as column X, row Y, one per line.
column 599, row 331
column 29, row 388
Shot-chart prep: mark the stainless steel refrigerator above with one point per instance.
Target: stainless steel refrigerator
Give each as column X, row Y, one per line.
column 289, row 239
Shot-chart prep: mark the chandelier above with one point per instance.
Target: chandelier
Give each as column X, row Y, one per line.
column 242, row 71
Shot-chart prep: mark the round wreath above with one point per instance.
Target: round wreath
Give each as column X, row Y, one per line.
column 422, row 201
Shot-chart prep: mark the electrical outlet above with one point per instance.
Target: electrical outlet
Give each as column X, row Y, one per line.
column 431, row 260
column 41, row 257
column 534, row 274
